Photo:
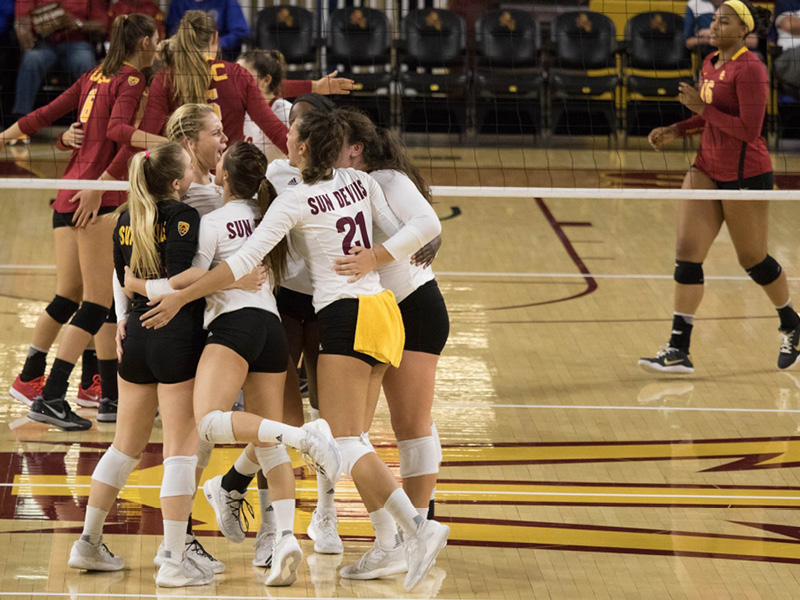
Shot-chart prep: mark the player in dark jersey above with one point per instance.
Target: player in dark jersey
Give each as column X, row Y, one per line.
column 156, row 236
column 729, row 112
column 106, row 99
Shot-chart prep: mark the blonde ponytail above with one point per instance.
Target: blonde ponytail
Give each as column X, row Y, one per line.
column 191, row 73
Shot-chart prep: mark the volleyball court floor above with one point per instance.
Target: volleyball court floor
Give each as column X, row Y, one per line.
column 567, row 473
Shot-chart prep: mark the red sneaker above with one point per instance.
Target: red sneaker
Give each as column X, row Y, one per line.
column 27, row 391
column 90, row 397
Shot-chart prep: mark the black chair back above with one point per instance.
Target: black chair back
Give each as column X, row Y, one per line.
column 583, row 40
column 358, row 36
column 507, row 38
column 655, row 41
column 289, row 29
column 434, row 38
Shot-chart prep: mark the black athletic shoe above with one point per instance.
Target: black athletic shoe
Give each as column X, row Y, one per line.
column 107, row 411
column 789, row 354
column 58, row 413
column 668, row 360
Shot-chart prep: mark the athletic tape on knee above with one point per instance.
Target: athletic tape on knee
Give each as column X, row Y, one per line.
column 765, row 272
column 114, row 468
column 61, row 309
column 352, row 449
column 90, row 317
column 204, row 450
column 271, row 457
column 418, row 457
column 217, row 427
column 688, row 273
column 435, row 434
column 179, row 476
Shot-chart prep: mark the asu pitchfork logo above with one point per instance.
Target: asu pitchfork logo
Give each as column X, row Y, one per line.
column 50, row 494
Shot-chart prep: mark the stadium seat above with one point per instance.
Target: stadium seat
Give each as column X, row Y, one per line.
column 656, row 61
column 291, row 30
column 584, row 76
column 433, row 75
column 358, row 46
column 508, row 79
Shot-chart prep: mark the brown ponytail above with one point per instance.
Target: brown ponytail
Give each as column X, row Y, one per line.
column 246, row 166
column 191, row 74
column 267, row 62
column 382, row 148
column 126, row 32
column 323, row 133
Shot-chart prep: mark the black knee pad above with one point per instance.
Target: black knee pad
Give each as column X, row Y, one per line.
column 90, row 317
column 688, row 273
column 765, row 272
column 61, row 309
column 112, row 314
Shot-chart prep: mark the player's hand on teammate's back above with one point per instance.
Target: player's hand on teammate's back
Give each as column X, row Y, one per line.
column 122, row 327
column 360, row 262
column 253, row 281
column 425, row 255
column 88, row 207
column 164, row 310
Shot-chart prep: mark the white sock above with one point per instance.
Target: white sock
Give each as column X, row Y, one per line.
column 93, row 524
column 278, row 433
column 245, row 466
column 423, row 512
column 174, row 539
column 267, row 510
column 403, row 511
column 284, row 515
column 385, row 529
column 325, row 493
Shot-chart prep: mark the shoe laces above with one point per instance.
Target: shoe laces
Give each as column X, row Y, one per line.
column 327, row 524
column 97, row 383
column 787, row 343
column 196, row 547
column 665, row 351
column 235, row 505
column 103, row 547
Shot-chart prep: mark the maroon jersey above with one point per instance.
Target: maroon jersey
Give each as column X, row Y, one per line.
column 107, row 109
column 233, row 93
column 731, row 146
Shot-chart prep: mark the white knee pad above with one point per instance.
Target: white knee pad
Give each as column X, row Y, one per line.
column 435, row 434
column 179, row 473
column 204, row 453
column 418, row 457
column 352, row 449
column 217, row 427
column 271, row 457
column 114, row 468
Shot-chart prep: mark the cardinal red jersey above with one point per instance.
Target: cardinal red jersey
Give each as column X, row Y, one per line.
column 233, row 93
column 107, row 109
column 731, row 146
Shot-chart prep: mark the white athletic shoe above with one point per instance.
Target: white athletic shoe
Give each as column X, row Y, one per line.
column 320, row 446
column 323, row 529
column 376, row 563
column 194, row 549
column 182, row 573
column 228, row 508
column 422, row 549
column 265, row 542
column 94, row 557
column 286, row 558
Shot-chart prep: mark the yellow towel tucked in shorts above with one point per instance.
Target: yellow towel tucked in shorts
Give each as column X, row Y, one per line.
column 379, row 329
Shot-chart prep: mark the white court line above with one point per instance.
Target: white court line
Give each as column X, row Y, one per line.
column 589, row 407
column 470, row 492
column 181, row 596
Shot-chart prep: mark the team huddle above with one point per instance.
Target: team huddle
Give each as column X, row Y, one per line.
column 225, row 268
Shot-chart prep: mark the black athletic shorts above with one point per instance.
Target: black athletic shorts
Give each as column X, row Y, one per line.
column 254, row 334
column 337, row 330
column 765, row 181
column 65, row 219
column 167, row 355
column 425, row 319
column 296, row 305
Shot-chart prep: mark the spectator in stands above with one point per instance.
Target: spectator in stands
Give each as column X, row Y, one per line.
column 233, row 27
column 787, row 65
column 54, row 32
column 696, row 25
column 143, row 7
column 9, row 55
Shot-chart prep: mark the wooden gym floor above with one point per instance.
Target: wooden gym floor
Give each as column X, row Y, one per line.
column 568, row 472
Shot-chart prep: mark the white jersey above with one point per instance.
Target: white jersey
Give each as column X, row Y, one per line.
column 282, row 175
column 203, row 198
column 281, row 109
column 406, row 202
column 222, row 233
column 329, row 218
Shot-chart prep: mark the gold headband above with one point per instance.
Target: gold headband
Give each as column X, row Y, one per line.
column 743, row 13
